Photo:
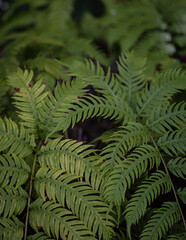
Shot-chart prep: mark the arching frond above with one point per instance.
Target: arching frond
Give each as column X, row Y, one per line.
column 11, row 229
column 40, row 236
column 126, row 172
column 13, row 171
column 163, row 218
column 131, row 74
column 158, row 183
column 83, row 201
column 15, row 140
column 93, row 106
column 173, row 142
column 119, row 143
column 73, row 157
column 178, row 167
column 58, row 103
column 12, row 201
column 166, row 85
column 57, row 221
column 167, row 117
column 94, row 74
column 28, row 98
column 182, row 194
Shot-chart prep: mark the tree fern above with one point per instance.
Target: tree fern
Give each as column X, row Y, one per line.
column 161, row 221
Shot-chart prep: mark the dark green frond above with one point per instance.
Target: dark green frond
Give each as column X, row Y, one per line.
column 73, row 157
column 12, row 201
column 182, row 194
column 11, row 229
column 28, row 98
column 40, row 236
column 160, row 91
column 126, row 172
column 178, row 167
column 158, row 183
column 131, row 74
column 173, row 142
column 83, row 201
column 57, row 221
column 167, row 117
column 13, row 171
column 163, row 219
column 119, row 143
column 177, row 237
column 15, row 140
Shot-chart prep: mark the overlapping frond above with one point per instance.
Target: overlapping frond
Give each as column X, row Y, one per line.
column 160, row 91
column 14, row 139
column 173, row 142
column 13, row 171
column 164, row 218
column 126, row 172
column 73, row 157
column 12, row 201
column 83, row 201
column 158, row 183
column 40, row 236
column 28, row 98
column 11, row 228
column 122, row 141
column 131, row 74
column 177, row 237
column 167, row 117
column 57, row 221
column 178, row 167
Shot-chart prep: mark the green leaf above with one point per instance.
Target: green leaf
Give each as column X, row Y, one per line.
column 182, row 194
column 177, row 167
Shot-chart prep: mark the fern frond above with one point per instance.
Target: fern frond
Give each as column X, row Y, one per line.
column 28, row 99
column 177, row 237
column 73, row 157
column 94, row 74
column 12, row 201
column 177, row 167
column 83, row 201
column 13, row 171
column 57, row 104
column 93, row 106
column 40, row 236
column 182, row 194
column 173, row 142
column 126, row 172
column 131, row 74
column 119, row 143
column 165, row 118
column 158, row 183
column 159, row 92
column 11, row 229
column 57, row 221
column 17, row 141
column 161, row 221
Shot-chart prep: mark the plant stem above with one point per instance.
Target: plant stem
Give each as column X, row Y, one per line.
column 173, row 188
column 30, row 189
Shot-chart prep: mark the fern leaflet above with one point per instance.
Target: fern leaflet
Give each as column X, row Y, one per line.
column 178, row 167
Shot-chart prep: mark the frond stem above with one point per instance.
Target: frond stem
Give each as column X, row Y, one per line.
column 30, row 189
column 166, row 170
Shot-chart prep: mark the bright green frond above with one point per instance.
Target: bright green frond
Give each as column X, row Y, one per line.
column 40, row 236
column 167, row 117
column 160, row 91
column 12, row 201
column 83, row 201
column 28, row 98
column 15, row 140
column 93, row 106
column 182, row 194
column 126, row 172
column 13, row 171
column 173, row 142
column 73, row 157
column 11, row 229
column 119, row 143
column 57, row 221
column 178, row 167
column 158, row 183
column 163, row 219
column 131, row 74
column 56, row 104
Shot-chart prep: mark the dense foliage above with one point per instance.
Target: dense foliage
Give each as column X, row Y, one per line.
column 127, row 182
